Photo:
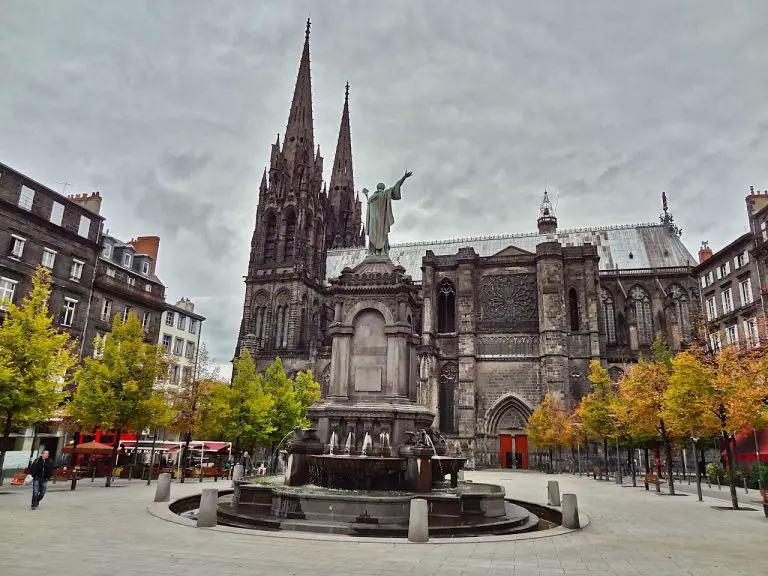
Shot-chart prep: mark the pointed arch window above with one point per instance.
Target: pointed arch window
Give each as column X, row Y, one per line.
column 270, row 238
column 302, row 322
column 680, row 309
column 446, row 402
column 282, row 316
column 446, row 307
column 290, row 236
column 643, row 318
column 573, row 309
column 609, row 316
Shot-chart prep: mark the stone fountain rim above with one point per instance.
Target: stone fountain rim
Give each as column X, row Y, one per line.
column 162, row 510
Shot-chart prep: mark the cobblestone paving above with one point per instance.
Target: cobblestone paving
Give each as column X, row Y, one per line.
column 108, row 532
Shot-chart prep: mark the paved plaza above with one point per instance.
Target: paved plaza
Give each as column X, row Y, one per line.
column 96, row 532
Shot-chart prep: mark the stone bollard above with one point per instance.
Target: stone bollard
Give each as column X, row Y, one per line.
column 570, row 511
column 418, row 522
column 553, row 493
column 163, row 490
column 237, row 472
column 209, row 500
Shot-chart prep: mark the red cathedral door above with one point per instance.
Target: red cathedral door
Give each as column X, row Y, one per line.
column 513, row 451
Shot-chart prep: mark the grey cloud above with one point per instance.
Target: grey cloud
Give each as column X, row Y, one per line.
column 169, row 108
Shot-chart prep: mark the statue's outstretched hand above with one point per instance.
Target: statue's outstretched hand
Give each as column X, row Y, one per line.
column 408, row 174
column 365, row 192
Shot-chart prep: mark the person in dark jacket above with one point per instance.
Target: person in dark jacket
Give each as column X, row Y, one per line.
column 41, row 471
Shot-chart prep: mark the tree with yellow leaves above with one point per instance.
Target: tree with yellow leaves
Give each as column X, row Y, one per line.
column 736, row 391
column 686, row 405
column 642, row 393
column 596, row 411
column 549, row 427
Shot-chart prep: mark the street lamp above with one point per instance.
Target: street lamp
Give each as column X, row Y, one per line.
column 615, row 419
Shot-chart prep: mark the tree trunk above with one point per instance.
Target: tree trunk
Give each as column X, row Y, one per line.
column 668, row 454
column 151, row 459
column 73, row 460
column 6, row 435
column 731, row 469
column 586, row 449
column 605, row 456
column 551, row 464
column 632, row 463
column 698, row 476
column 184, row 452
column 112, row 459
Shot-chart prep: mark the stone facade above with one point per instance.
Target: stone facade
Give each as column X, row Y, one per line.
column 124, row 284
column 500, row 320
column 41, row 227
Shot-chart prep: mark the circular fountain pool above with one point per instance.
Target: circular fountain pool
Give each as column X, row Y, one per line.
column 469, row 509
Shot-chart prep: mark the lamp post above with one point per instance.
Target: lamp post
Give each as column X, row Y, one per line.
column 615, row 419
column 695, row 439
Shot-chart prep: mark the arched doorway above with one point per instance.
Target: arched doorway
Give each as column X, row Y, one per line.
column 507, row 421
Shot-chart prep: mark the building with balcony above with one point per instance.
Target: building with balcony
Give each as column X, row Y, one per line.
column 125, row 283
column 180, row 332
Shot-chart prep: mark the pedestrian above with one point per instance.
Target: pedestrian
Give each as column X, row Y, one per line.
column 247, row 463
column 41, row 471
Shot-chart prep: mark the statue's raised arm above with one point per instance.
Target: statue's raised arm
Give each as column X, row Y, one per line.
column 379, row 218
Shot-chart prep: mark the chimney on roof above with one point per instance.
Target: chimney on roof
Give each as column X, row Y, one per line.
column 705, row 252
column 149, row 245
column 90, row 202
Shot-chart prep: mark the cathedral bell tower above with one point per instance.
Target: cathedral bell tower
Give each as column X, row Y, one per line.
column 286, row 270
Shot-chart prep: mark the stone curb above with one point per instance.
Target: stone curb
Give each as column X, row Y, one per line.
column 162, row 510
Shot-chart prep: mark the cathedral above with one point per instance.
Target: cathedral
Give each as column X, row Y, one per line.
column 502, row 320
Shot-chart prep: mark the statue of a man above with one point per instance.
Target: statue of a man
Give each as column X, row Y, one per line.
column 379, row 218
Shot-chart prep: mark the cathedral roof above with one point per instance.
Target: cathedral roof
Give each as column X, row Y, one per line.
column 627, row 247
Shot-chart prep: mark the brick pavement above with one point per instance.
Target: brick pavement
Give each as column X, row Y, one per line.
column 98, row 531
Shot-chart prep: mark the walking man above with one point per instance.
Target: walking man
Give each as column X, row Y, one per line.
column 41, row 471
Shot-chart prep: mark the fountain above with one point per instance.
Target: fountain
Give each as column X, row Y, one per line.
column 391, row 454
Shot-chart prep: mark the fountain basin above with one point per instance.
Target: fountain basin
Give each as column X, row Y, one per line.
column 469, row 509
column 357, row 472
column 443, row 466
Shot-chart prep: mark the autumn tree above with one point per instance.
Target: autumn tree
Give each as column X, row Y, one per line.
column 187, row 398
column 548, row 427
column 686, row 404
column 118, row 388
column 736, row 394
column 34, row 360
column 642, row 392
column 596, row 411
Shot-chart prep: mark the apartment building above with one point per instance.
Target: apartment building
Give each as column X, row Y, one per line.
column 730, row 294
column 180, row 333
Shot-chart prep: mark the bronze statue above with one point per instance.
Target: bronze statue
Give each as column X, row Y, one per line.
column 379, row 218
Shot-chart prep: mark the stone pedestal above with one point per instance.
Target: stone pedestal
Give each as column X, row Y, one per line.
column 374, row 364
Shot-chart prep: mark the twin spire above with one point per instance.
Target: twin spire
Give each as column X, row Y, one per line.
column 343, row 227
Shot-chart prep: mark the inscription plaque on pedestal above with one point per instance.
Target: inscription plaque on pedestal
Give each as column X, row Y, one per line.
column 368, row 379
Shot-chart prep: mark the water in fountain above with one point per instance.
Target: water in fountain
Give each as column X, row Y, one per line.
column 367, row 444
column 276, row 452
column 348, row 445
column 334, row 443
column 428, row 440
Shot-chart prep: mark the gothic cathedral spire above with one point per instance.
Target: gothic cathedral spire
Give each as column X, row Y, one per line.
column 345, row 227
column 299, row 132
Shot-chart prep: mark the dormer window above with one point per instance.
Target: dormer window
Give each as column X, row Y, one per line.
column 145, row 268
column 127, row 259
column 107, row 251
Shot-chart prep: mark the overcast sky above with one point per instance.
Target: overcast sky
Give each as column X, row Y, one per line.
column 169, row 109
